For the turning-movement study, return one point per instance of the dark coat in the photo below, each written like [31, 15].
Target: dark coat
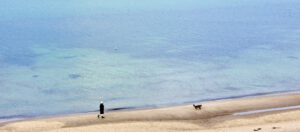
[101, 108]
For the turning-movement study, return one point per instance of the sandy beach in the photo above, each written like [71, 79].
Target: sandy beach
[268, 113]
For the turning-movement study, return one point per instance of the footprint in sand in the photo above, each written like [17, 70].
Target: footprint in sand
[257, 129]
[275, 127]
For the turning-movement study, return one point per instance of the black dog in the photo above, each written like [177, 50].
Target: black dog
[197, 107]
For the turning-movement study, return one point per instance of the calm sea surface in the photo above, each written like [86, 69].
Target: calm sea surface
[60, 56]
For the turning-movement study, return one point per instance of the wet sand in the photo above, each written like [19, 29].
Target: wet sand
[278, 112]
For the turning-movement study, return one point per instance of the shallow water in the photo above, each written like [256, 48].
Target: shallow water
[59, 57]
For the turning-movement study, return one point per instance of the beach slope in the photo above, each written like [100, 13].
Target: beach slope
[280, 113]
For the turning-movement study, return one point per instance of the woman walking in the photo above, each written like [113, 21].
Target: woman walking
[101, 110]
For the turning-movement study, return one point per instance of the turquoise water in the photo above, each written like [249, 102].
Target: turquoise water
[59, 57]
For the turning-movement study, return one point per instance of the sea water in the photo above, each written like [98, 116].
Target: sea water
[61, 56]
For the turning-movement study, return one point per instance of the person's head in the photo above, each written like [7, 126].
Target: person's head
[101, 100]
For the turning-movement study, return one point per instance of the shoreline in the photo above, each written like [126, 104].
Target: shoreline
[13, 118]
[265, 110]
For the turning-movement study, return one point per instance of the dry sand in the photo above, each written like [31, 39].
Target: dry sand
[215, 116]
